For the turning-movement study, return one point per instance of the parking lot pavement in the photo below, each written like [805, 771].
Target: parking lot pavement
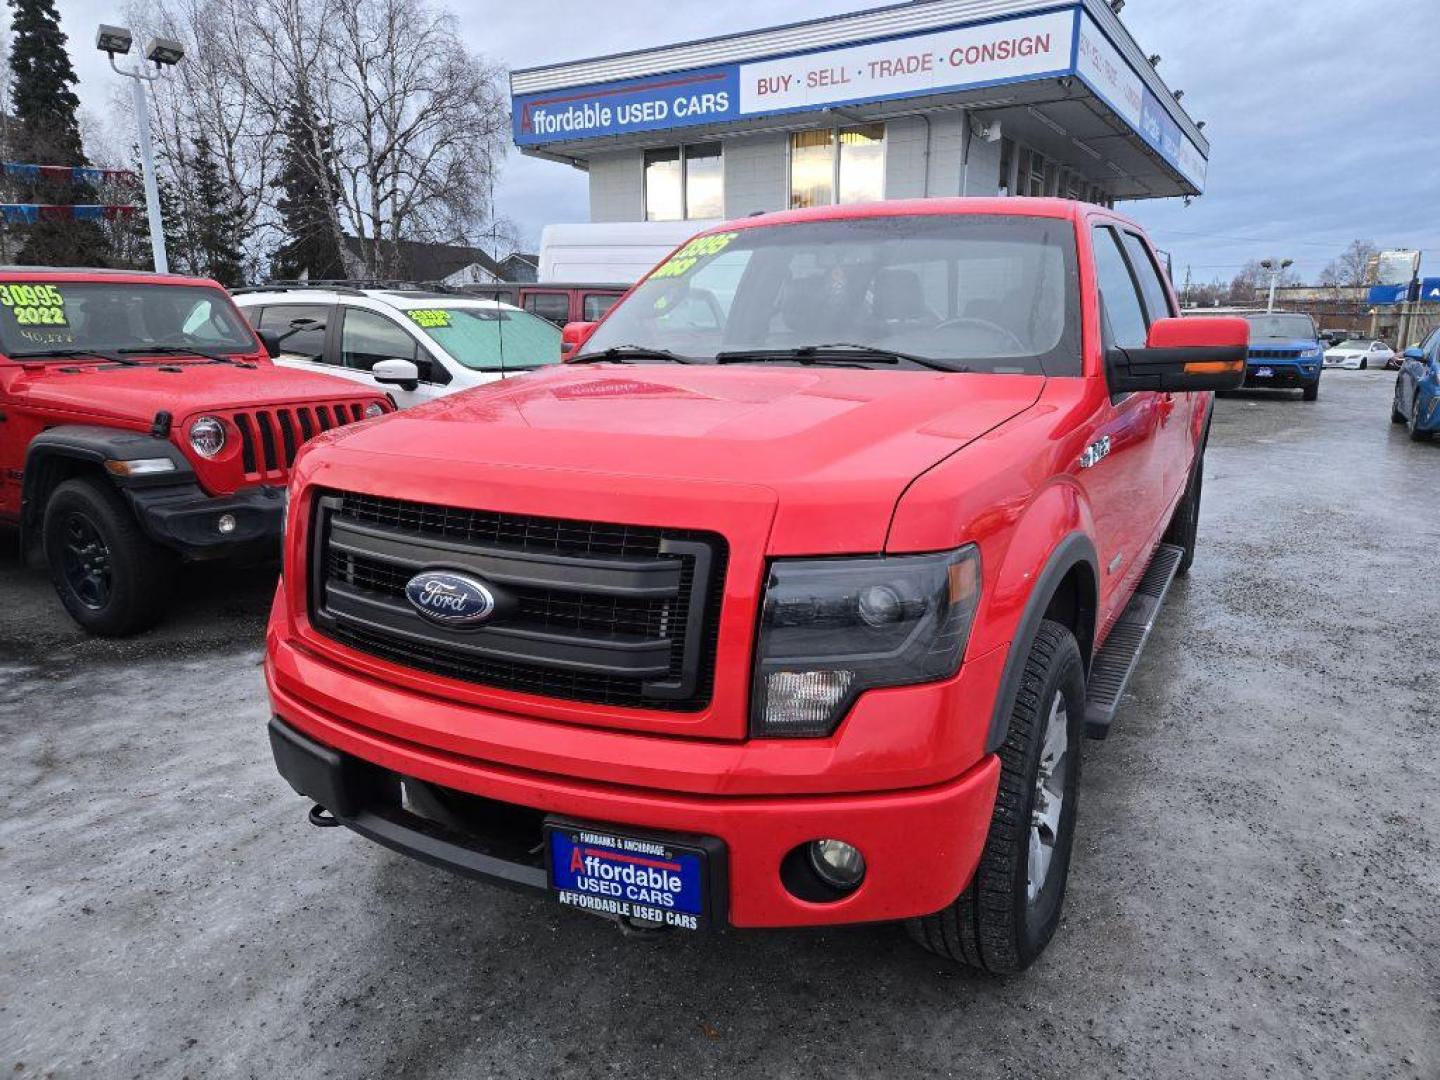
[1255, 892]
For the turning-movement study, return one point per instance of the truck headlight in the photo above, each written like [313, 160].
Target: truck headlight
[833, 628]
[373, 410]
[207, 436]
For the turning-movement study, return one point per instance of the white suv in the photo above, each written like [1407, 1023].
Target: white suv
[417, 344]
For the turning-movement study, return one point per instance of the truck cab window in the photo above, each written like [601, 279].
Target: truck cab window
[1120, 305]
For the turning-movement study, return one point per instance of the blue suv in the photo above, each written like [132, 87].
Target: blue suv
[1417, 390]
[1285, 354]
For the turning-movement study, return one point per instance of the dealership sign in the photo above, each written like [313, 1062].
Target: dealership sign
[1049, 45]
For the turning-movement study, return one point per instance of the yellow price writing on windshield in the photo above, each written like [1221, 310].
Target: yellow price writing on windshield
[681, 263]
[34, 305]
[430, 318]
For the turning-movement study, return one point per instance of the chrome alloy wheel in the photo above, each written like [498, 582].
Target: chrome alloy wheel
[1049, 796]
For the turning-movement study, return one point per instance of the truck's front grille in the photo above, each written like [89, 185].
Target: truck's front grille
[270, 438]
[1274, 354]
[590, 611]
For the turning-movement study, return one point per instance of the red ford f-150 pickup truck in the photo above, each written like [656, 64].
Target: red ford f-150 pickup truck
[788, 601]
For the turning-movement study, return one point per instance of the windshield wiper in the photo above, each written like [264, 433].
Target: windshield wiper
[182, 350]
[624, 353]
[837, 352]
[70, 354]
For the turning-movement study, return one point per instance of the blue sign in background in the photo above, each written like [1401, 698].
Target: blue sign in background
[678, 99]
[1430, 290]
[1389, 294]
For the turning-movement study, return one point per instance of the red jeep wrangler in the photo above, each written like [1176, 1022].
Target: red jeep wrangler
[788, 600]
[141, 422]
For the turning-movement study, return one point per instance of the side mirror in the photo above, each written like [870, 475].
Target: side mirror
[1183, 355]
[1414, 353]
[574, 336]
[396, 372]
[271, 340]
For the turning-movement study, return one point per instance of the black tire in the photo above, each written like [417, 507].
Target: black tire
[112, 580]
[1364, 363]
[1311, 392]
[1413, 423]
[1185, 524]
[1396, 416]
[995, 925]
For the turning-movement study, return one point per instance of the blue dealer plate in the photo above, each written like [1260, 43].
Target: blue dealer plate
[611, 874]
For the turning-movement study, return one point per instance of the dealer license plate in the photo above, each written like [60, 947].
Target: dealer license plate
[611, 874]
[1263, 372]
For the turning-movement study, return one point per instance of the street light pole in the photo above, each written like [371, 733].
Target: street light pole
[162, 53]
[139, 78]
[1276, 268]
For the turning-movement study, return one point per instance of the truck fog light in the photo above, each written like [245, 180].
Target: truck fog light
[226, 523]
[839, 865]
[803, 702]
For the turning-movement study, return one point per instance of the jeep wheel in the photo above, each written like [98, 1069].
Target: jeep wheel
[1396, 416]
[1009, 912]
[1311, 392]
[112, 580]
[1185, 524]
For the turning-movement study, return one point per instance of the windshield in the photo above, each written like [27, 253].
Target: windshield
[490, 339]
[1355, 344]
[41, 315]
[1286, 327]
[995, 293]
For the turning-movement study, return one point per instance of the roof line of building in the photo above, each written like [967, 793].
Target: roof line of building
[915, 16]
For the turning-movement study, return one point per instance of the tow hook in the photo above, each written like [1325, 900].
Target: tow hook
[322, 818]
[645, 929]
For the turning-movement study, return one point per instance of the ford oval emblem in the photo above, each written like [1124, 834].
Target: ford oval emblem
[450, 599]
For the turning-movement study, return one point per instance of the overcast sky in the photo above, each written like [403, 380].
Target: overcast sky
[1322, 114]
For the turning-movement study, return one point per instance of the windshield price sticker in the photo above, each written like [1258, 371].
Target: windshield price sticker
[34, 305]
[628, 876]
[684, 260]
[430, 318]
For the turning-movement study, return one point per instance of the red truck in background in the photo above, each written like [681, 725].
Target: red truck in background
[788, 600]
[141, 424]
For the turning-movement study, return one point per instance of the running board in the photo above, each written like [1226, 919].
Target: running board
[1114, 664]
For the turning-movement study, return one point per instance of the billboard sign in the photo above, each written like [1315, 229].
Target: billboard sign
[1397, 267]
[1053, 44]
[1430, 290]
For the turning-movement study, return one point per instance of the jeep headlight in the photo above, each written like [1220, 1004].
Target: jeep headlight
[207, 436]
[373, 410]
[833, 628]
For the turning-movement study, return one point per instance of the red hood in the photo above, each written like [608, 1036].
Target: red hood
[832, 446]
[184, 388]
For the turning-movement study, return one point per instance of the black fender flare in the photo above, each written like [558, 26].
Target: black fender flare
[92, 445]
[1076, 548]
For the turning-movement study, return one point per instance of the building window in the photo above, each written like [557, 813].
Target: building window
[704, 182]
[850, 161]
[684, 182]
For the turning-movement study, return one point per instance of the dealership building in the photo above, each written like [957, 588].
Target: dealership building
[925, 99]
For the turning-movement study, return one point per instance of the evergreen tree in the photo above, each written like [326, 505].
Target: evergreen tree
[309, 249]
[215, 220]
[45, 105]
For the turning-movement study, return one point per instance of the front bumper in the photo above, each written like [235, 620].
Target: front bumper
[1284, 374]
[185, 518]
[921, 845]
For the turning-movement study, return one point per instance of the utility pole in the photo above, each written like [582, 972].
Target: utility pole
[162, 52]
[1276, 268]
[1185, 297]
